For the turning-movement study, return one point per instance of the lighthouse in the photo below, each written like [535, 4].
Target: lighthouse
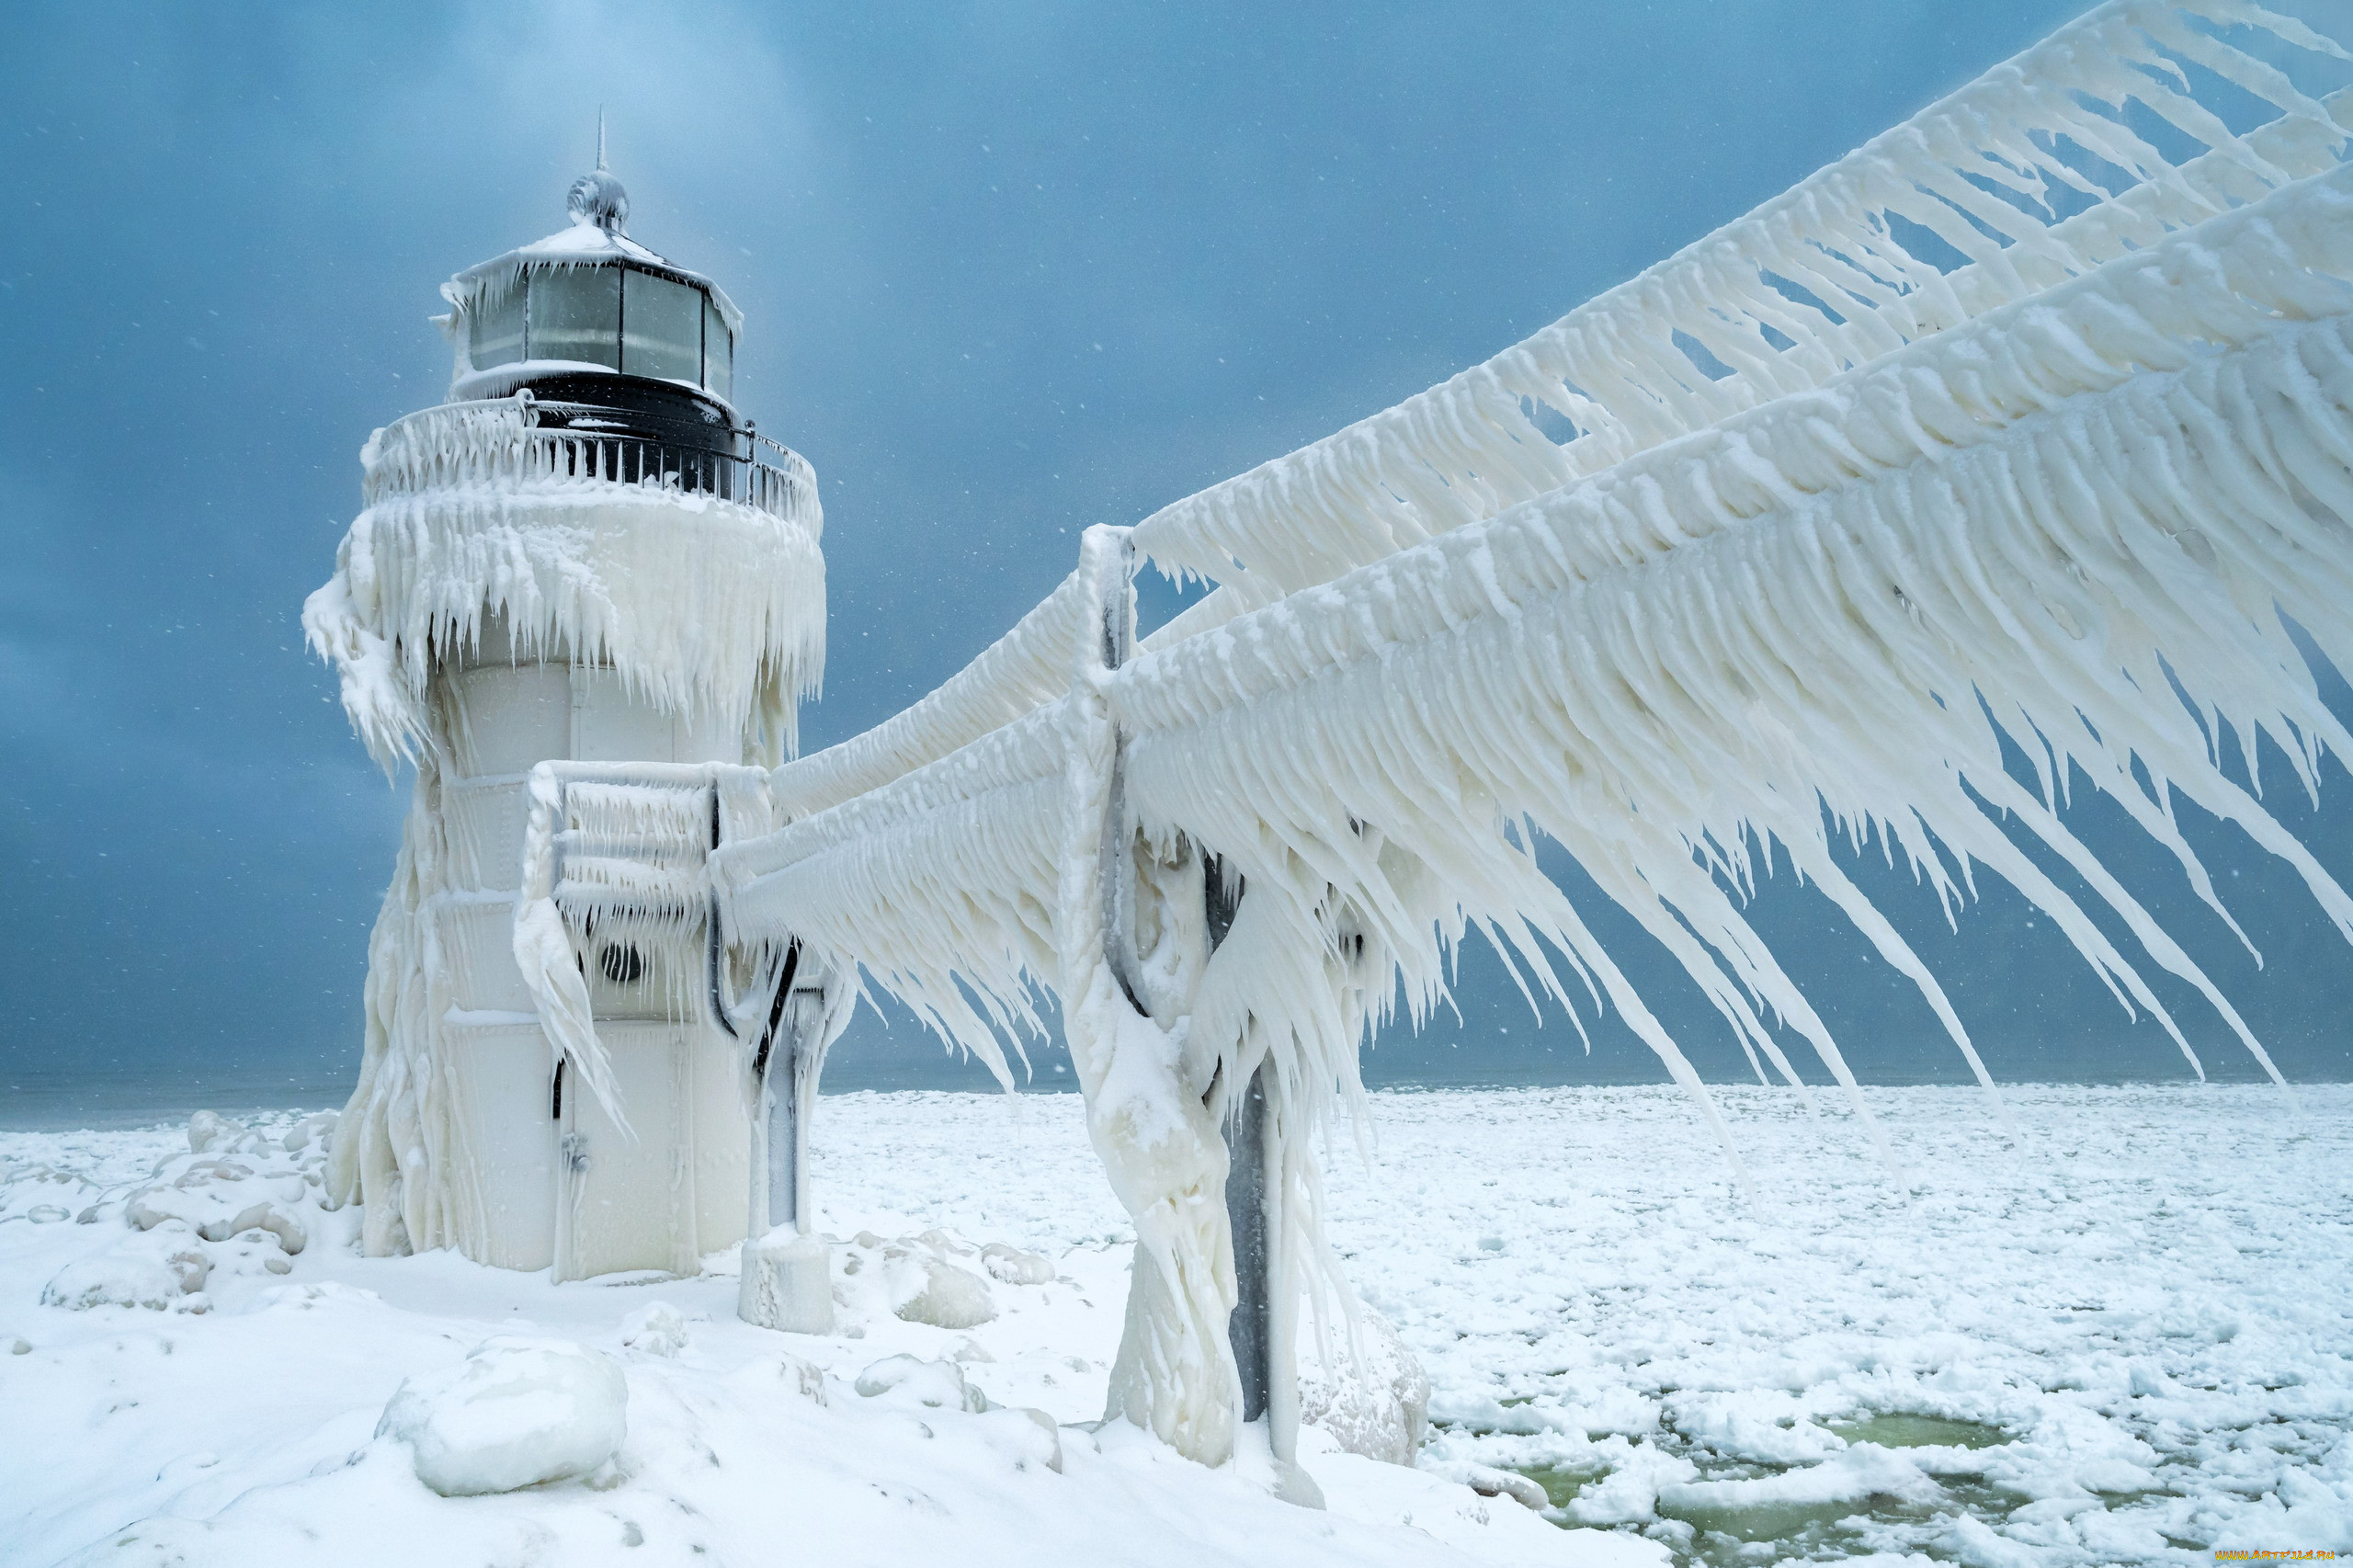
[585, 552]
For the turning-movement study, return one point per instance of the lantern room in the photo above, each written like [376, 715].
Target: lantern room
[590, 319]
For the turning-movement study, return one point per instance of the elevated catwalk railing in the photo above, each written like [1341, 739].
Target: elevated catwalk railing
[2026, 430]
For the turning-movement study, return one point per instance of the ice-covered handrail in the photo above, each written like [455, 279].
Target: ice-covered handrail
[622, 846]
[966, 847]
[1247, 736]
[1848, 265]
[1030, 665]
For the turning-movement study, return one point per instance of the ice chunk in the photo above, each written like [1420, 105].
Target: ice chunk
[517, 1412]
[209, 1129]
[319, 1127]
[218, 1201]
[951, 1297]
[920, 1280]
[1011, 1266]
[1629, 1494]
[1489, 1482]
[1376, 1402]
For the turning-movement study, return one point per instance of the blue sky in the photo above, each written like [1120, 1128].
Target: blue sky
[1008, 271]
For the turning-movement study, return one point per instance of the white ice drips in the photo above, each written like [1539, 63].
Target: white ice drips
[700, 604]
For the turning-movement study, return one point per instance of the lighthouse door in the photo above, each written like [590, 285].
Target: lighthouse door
[625, 1199]
[672, 1185]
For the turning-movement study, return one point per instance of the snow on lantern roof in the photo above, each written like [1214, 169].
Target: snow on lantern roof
[595, 237]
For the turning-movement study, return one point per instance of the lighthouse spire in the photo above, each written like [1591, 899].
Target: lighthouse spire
[598, 197]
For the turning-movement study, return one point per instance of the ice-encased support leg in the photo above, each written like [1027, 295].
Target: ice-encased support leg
[788, 1271]
[791, 1093]
[1251, 1329]
[787, 1148]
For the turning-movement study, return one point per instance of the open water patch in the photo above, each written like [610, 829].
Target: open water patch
[1734, 1508]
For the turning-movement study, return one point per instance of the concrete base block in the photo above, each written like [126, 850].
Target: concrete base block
[788, 1283]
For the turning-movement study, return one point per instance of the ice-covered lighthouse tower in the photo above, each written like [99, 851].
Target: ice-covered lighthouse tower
[585, 552]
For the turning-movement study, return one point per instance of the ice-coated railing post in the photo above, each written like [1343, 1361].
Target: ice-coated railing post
[1117, 852]
[1251, 1330]
[780, 1074]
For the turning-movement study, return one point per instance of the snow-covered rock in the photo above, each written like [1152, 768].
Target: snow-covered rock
[317, 1127]
[951, 1297]
[657, 1330]
[913, 1382]
[1011, 1266]
[219, 1199]
[156, 1272]
[517, 1412]
[1029, 1436]
[803, 1380]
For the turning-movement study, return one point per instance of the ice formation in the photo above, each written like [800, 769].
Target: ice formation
[2123, 1324]
[2013, 427]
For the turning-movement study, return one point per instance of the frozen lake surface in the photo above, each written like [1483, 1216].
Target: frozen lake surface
[2121, 1335]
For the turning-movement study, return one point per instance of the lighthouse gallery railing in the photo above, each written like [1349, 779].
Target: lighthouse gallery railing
[496, 443]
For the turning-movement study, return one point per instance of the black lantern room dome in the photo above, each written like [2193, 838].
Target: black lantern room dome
[602, 333]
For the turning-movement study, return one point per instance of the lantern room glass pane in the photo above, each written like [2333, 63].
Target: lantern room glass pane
[576, 315]
[495, 327]
[718, 353]
[661, 328]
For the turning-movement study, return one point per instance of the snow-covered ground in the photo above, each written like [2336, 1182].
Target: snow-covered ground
[2123, 1334]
